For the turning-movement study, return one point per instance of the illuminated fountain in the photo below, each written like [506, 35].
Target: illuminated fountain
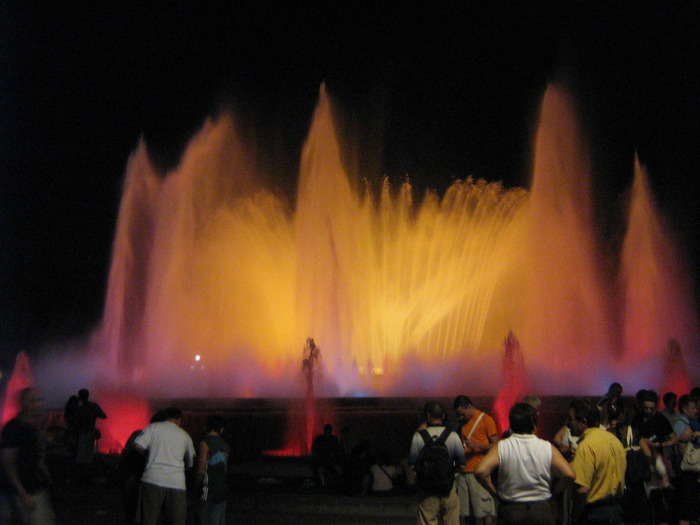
[406, 297]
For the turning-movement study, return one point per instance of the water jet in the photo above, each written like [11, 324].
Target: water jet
[215, 277]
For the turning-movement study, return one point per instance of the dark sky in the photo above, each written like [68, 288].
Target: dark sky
[429, 89]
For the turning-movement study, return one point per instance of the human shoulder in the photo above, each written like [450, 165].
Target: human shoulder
[662, 423]
[434, 430]
[12, 433]
[487, 423]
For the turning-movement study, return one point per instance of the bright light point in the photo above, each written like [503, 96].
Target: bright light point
[197, 357]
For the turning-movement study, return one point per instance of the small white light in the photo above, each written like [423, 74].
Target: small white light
[197, 357]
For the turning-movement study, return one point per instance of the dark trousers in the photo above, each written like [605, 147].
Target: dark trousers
[601, 513]
[172, 503]
[532, 513]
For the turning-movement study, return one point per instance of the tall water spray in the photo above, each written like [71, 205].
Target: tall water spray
[217, 281]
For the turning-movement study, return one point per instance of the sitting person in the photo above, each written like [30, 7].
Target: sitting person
[383, 475]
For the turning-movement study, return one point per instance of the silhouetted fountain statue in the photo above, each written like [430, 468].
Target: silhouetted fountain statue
[311, 370]
[514, 383]
[210, 262]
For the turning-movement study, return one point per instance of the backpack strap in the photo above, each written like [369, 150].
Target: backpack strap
[444, 435]
[427, 438]
[475, 425]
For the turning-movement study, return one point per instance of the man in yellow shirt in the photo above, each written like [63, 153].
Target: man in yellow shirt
[600, 464]
[479, 434]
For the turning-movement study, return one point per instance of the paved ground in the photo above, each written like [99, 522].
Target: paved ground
[280, 495]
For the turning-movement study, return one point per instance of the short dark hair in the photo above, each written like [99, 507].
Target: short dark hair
[84, 394]
[648, 395]
[158, 417]
[585, 411]
[214, 423]
[434, 410]
[669, 397]
[172, 413]
[522, 418]
[461, 401]
[684, 401]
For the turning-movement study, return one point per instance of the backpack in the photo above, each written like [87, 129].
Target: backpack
[434, 468]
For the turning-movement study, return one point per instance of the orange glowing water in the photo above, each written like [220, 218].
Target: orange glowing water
[216, 281]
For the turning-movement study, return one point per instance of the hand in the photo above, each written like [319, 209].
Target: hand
[651, 443]
[470, 443]
[28, 501]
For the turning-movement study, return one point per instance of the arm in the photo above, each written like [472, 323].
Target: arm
[685, 437]
[416, 445]
[667, 437]
[483, 447]
[558, 437]
[202, 461]
[484, 469]
[189, 453]
[670, 441]
[563, 470]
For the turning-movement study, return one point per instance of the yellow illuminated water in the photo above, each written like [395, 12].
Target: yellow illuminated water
[405, 295]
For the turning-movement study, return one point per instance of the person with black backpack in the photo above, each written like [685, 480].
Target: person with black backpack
[436, 453]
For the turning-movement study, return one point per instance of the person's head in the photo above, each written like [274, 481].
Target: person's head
[695, 392]
[522, 418]
[214, 423]
[648, 402]
[582, 416]
[173, 414]
[463, 406]
[328, 429]
[688, 406]
[434, 412]
[158, 417]
[84, 394]
[670, 399]
[534, 401]
[614, 390]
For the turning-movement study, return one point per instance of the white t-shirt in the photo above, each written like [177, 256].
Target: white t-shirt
[382, 477]
[524, 474]
[170, 449]
[453, 443]
[568, 439]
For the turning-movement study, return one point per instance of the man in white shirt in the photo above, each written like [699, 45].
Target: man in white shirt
[437, 507]
[170, 451]
[525, 464]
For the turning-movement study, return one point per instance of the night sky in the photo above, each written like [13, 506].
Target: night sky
[433, 90]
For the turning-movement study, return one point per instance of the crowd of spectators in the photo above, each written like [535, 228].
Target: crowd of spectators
[647, 475]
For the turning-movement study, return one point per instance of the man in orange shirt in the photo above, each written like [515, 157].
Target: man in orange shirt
[479, 434]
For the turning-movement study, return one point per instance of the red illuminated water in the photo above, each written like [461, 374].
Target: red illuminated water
[20, 379]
